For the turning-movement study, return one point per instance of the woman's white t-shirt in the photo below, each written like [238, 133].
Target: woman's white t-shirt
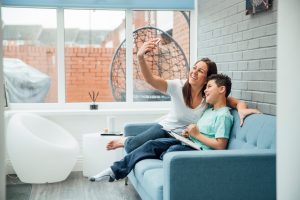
[180, 114]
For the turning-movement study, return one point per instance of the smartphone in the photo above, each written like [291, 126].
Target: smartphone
[158, 40]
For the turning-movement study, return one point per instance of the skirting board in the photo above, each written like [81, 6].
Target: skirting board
[78, 166]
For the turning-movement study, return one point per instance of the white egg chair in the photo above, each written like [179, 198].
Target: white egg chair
[40, 150]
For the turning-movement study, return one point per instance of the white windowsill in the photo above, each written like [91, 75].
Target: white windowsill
[143, 108]
[91, 112]
[104, 105]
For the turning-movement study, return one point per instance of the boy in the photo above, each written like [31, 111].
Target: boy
[211, 132]
[216, 122]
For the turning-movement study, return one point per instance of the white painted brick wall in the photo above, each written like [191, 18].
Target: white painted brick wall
[243, 46]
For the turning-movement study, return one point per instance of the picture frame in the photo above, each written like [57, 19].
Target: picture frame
[256, 6]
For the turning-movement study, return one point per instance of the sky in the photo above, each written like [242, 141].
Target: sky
[100, 20]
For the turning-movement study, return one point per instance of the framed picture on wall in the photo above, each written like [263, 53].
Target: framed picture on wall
[256, 6]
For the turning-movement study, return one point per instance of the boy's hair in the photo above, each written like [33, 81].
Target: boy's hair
[221, 80]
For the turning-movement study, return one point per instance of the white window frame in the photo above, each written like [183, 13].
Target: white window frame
[129, 104]
[60, 57]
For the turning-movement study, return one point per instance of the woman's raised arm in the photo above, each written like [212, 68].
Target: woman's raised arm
[155, 81]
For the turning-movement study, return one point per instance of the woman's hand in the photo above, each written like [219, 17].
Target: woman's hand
[147, 47]
[154, 80]
[243, 113]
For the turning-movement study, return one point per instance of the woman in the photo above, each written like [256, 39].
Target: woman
[188, 101]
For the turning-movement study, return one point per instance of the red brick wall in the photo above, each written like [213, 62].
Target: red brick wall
[87, 69]
[139, 19]
[181, 33]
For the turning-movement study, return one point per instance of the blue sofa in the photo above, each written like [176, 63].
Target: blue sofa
[245, 171]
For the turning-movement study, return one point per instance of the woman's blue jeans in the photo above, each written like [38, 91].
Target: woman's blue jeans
[152, 133]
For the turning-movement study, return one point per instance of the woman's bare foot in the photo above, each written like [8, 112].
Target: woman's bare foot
[117, 143]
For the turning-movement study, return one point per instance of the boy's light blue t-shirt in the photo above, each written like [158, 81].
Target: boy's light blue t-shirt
[215, 123]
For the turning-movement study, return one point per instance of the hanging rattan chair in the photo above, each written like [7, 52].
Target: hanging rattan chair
[167, 61]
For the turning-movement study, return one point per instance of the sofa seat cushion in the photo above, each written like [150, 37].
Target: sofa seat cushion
[149, 173]
[144, 165]
[153, 181]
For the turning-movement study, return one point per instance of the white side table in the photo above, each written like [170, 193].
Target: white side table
[95, 156]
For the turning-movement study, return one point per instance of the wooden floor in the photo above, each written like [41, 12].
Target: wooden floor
[77, 187]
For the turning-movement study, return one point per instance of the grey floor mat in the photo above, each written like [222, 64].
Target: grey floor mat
[17, 190]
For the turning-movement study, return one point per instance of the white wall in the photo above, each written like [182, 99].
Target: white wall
[288, 98]
[2, 138]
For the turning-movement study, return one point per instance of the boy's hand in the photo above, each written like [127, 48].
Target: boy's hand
[192, 130]
[185, 133]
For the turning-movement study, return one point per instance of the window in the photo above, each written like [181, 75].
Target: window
[93, 53]
[170, 60]
[91, 39]
[29, 51]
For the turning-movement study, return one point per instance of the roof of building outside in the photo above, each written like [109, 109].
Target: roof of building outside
[36, 34]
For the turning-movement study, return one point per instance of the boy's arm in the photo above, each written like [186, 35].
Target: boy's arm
[215, 143]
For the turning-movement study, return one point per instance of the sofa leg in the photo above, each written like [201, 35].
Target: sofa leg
[126, 180]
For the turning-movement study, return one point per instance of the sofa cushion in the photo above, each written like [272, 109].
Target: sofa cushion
[149, 172]
[258, 132]
[142, 166]
[153, 182]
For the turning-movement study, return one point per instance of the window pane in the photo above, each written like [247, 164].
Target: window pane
[93, 50]
[29, 44]
[170, 60]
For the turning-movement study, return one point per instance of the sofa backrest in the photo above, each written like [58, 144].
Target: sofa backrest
[258, 132]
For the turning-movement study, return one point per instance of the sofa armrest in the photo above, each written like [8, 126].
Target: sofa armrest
[136, 128]
[220, 174]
